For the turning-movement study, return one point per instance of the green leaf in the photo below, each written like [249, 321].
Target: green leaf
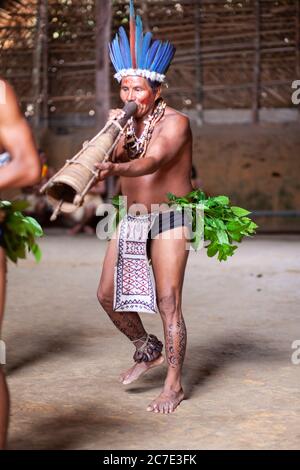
[116, 200]
[36, 252]
[19, 205]
[223, 200]
[196, 195]
[34, 226]
[239, 211]
[237, 237]
[20, 252]
[212, 249]
[234, 226]
[5, 204]
[222, 236]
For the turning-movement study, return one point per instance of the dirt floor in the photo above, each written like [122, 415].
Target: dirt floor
[64, 355]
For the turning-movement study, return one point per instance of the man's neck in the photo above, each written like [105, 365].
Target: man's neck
[139, 122]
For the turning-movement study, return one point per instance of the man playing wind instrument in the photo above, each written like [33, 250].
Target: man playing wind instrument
[153, 158]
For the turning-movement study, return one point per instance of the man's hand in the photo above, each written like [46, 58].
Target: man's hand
[106, 169]
[115, 114]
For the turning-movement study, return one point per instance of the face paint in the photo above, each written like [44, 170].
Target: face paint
[138, 89]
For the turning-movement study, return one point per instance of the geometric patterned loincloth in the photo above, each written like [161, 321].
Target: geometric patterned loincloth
[134, 285]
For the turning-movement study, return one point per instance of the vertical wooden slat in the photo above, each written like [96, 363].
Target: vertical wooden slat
[40, 66]
[45, 66]
[257, 65]
[199, 74]
[145, 16]
[36, 70]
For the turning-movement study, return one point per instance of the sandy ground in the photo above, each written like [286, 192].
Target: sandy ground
[64, 355]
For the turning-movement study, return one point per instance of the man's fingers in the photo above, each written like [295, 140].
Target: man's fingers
[103, 174]
[103, 166]
[116, 113]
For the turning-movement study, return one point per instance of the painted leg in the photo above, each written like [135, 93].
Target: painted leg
[169, 258]
[129, 323]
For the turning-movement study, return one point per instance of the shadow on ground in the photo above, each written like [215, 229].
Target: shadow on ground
[203, 363]
[65, 429]
[207, 362]
[24, 351]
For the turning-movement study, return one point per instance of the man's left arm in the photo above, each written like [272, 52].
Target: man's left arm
[16, 138]
[161, 152]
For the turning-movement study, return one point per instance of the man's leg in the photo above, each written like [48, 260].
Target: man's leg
[169, 258]
[129, 323]
[4, 396]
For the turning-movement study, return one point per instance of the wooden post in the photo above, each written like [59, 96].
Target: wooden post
[103, 32]
[298, 46]
[257, 64]
[199, 74]
[39, 81]
[298, 40]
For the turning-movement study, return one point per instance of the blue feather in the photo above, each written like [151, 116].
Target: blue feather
[170, 58]
[159, 58]
[114, 55]
[138, 40]
[131, 9]
[155, 56]
[146, 46]
[151, 54]
[112, 58]
[165, 58]
[118, 54]
[125, 48]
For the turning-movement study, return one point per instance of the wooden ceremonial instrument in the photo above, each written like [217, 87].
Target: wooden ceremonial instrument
[67, 188]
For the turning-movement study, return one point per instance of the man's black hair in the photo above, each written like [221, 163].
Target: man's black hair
[154, 85]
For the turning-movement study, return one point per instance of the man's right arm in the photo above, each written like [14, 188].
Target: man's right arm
[164, 150]
[16, 138]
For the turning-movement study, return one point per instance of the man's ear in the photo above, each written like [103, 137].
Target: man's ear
[158, 93]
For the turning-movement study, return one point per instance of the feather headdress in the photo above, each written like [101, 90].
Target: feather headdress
[141, 55]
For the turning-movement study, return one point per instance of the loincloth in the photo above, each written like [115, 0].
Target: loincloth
[134, 284]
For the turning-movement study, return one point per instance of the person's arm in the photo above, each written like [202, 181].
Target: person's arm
[16, 138]
[165, 147]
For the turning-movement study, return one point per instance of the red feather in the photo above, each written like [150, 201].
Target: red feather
[132, 40]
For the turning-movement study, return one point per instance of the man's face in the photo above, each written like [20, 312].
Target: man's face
[138, 89]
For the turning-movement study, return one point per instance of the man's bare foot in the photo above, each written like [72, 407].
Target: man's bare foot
[139, 369]
[166, 402]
